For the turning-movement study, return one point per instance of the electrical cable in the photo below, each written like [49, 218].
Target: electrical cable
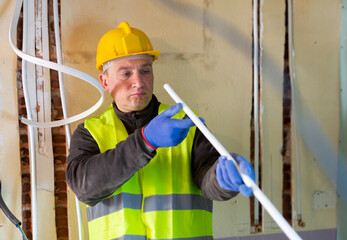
[7, 211]
[21, 230]
[10, 215]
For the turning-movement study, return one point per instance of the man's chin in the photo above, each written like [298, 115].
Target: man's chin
[138, 106]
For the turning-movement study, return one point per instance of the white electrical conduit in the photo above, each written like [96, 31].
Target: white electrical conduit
[31, 130]
[60, 74]
[57, 67]
[295, 131]
[29, 121]
[64, 106]
[274, 213]
[256, 105]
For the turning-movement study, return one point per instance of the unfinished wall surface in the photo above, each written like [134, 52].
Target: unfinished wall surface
[316, 55]
[316, 46]
[206, 56]
[9, 137]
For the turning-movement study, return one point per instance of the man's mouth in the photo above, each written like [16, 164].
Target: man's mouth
[138, 94]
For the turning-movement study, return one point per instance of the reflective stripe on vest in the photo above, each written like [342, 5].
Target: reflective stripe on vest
[160, 201]
[152, 203]
[176, 202]
[136, 237]
[113, 204]
[131, 237]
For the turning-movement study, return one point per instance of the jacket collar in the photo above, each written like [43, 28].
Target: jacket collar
[138, 119]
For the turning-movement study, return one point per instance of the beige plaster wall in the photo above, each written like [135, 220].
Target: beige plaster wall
[9, 136]
[316, 43]
[206, 56]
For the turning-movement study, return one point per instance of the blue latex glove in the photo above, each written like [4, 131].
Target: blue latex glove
[164, 131]
[229, 178]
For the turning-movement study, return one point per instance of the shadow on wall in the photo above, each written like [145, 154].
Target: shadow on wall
[321, 147]
[309, 127]
[220, 27]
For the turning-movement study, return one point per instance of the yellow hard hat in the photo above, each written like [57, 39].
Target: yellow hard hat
[123, 41]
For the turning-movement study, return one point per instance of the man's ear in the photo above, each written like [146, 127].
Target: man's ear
[103, 80]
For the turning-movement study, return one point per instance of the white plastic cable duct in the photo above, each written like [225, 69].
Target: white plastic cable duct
[31, 130]
[57, 67]
[266, 203]
[294, 116]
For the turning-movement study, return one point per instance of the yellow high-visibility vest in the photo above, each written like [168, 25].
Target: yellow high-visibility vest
[160, 201]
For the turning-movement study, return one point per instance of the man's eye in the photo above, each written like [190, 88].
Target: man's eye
[146, 71]
[125, 74]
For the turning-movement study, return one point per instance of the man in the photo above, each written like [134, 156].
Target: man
[142, 167]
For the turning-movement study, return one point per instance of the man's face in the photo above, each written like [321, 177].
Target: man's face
[130, 84]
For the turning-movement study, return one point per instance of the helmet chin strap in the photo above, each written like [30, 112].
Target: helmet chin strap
[114, 61]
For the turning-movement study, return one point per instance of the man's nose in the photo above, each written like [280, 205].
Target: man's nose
[137, 80]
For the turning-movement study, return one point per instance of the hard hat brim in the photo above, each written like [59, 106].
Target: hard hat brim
[154, 53]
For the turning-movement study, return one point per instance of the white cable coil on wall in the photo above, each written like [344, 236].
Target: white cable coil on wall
[57, 67]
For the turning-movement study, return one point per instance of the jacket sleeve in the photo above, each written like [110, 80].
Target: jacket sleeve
[204, 163]
[92, 175]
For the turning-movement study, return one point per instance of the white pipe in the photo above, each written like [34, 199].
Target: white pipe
[274, 213]
[295, 129]
[63, 103]
[58, 67]
[60, 74]
[31, 130]
[256, 104]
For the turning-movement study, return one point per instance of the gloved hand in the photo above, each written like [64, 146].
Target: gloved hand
[164, 131]
[229, 178]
